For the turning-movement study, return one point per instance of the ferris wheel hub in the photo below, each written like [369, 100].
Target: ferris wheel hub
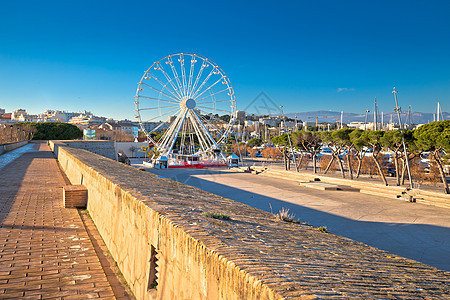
[188, 103]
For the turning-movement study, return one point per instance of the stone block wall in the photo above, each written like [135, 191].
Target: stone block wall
[11, 146]
[155, 229]
[104, 148]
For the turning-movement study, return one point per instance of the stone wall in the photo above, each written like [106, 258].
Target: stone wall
[103, 148]
[11, 146]
[155, 225]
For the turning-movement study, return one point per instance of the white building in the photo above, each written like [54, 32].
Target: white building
[17, 113]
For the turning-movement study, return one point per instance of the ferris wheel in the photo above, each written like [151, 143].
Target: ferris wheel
[192, 99]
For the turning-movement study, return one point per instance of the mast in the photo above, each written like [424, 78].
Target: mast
[437, 112]
[398, 109]
[409, 116]
[342, 116]
[375, 113]
[382, 119]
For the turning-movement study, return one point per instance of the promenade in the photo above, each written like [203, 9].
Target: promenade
[45, 251]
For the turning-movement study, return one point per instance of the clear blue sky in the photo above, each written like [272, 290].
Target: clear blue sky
[306, 55]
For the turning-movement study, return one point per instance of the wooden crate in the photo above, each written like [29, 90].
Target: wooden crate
[75, 196]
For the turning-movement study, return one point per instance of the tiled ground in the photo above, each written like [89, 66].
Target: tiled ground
[45, 251]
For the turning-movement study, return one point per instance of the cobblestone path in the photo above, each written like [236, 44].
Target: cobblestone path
[45, 251]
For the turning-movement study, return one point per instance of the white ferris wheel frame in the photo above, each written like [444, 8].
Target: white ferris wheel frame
[184, 95]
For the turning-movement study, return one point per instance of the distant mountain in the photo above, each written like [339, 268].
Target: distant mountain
[335, 116]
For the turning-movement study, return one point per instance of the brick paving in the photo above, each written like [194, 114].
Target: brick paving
[45, 251]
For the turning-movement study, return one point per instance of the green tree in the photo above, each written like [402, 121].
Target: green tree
[309, 141]
[392, 140]
[55, 131]
[282, 142]
[374, 139]
[343, 141]
[254, 142]
[360, 143]
[435, 137]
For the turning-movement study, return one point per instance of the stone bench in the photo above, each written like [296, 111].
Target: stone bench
[75, 196]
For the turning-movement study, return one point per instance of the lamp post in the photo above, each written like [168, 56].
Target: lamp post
[289, 139]
[398, 109]
[10, 127]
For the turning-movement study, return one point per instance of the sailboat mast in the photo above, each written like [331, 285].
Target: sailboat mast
[375, 113]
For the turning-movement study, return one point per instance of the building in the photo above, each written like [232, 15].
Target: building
[272, 122]
[27, 118]
[86, 119]
[57, 116]
[109, 126]
[2, 111]
[129, 128]
[17, 113]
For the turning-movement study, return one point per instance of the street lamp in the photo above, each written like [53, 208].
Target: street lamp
[398, 109]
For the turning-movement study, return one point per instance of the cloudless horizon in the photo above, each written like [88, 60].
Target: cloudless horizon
[305, 55]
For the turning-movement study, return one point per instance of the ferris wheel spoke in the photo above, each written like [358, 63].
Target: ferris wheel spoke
[183, 73]
[213, 109]
[164, 85]
[197, 79]
[212, 102]
[162, 107]
[170, 80]
[156, 128]
[205, 131]
[198, 132]
[191, 74]
[157, 99]
[175, 74]
[168, 135]
[175, 135]
[173, 111]
[210, 95]
[203, 83]
[209, 88]
[161, 92]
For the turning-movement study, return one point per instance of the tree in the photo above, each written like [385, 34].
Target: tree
[392, 140]
[335, 141]
[374, 140]
[434, 137]
[360, 142]
[282, 142]
[254, 142]
[342, 139]
[55, 131]
[310, 142]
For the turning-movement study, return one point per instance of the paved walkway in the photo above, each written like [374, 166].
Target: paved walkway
[45, 251]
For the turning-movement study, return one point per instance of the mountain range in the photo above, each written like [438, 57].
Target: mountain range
[335, 116]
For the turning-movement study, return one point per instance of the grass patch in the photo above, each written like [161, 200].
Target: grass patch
[285, 215]
[322, 229]
[219, 216]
